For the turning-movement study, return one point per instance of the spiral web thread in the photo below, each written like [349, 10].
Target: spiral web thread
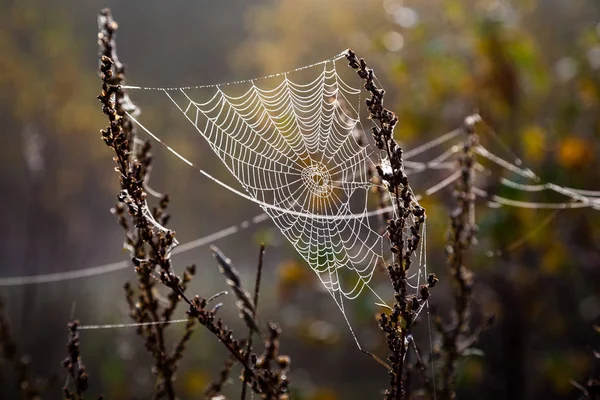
[294, 150]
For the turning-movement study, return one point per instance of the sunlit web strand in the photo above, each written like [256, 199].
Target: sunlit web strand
[548, 186]
[279, 74]
[418, 168]
[120, 265]
[130, 325]
[530, 204]
[576, 195]
[181, 248]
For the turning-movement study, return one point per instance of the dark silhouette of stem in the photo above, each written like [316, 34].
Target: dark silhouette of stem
[251, 331]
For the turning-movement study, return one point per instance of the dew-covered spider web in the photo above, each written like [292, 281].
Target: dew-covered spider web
[298, 150]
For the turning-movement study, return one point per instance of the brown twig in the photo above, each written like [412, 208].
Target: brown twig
[250, 328]
[77, 380]
[410, 215]
[147, 244]
[151, 243]
[460, 236]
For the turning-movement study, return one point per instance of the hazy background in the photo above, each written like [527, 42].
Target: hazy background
[532, 68]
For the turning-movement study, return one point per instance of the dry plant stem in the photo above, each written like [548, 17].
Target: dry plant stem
[460, 236]
[251, 330]
[397, 326]
[380, 191]
[77, 379]
[148, 247]
[150, 244]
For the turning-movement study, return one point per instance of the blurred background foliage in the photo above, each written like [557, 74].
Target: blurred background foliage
[530, 67]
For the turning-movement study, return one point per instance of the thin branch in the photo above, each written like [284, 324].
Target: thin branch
[460, 236]
[251, 331]
[77, 379]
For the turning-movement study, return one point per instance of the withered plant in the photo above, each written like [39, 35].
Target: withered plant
[457, 335]
[77, 381]
[150, 244]
[398, 325]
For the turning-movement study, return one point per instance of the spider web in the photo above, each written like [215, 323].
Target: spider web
[299, 151]
[292, 148]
